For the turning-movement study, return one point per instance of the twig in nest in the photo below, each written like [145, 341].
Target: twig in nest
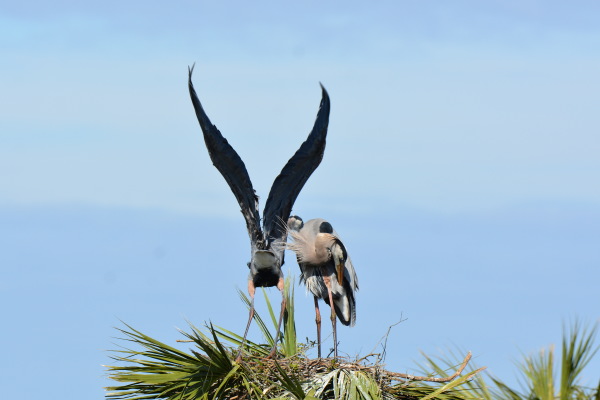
[367, 356]
[384, 338]
[325, 364]
[383, 353]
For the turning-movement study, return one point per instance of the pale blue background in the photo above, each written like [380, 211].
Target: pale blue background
[462, 171]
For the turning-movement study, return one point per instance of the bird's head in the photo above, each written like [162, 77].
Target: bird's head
[295, 223]
[337, 250]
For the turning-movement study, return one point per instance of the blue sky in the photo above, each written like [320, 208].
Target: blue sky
[461, 169]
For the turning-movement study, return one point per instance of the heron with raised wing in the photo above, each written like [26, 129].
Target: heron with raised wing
[326, 270]
[267, 244]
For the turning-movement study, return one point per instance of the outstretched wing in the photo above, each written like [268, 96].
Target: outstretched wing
[294, 175]
[230, 165]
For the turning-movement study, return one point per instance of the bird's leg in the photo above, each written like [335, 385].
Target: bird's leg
[318, 322]
[333, 324]
[251, 291]
[333, 317]
[280, 286]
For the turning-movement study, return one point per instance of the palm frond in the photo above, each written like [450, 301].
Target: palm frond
[474, 388]
[577, 351]
[289, 345]
[344, 384]
[537, 371]
[155, 370]
[161, 371]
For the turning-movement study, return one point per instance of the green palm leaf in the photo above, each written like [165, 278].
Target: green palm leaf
[577, 351]
[152, 369]
[537, 371]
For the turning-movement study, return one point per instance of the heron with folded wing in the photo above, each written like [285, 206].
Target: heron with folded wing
[326, 271]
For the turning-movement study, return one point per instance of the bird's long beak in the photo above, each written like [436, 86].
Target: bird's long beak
[340, 266]
[339, 261]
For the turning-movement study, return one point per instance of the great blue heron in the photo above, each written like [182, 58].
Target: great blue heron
[326, 270]
[267, 244]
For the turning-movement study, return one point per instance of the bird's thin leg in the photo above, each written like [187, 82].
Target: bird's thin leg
[333, 317]
[318, 322]
[280, 286]
[251, 291]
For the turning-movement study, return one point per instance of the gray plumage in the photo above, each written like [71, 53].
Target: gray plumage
[267, 244]
[325, 267]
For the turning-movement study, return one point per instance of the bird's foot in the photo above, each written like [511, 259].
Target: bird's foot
[273, 354]
[238, 358]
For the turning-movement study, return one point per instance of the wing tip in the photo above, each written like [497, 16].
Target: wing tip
[190, 72]
[324, 94]
[325, 105]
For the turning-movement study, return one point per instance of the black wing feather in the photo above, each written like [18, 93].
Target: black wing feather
[230, 165]
[293, 176]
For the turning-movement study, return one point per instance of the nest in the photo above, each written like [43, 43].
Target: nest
[390, 384]
[156, 370]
